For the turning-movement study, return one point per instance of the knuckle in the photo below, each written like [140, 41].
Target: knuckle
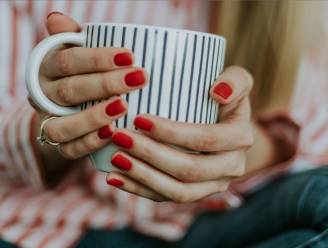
[239, 167]
[146, 152]
[94, 118]
[96, 59]
[181, 196]
[223, 186]
[91, 144]
[65, 92]
[245, 75]
[68, 152]
[206, 142]
[189, 172]
[63, 62]
[53, 133]
[145, 177]
[105, 84]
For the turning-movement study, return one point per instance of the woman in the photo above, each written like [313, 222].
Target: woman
[54, 198]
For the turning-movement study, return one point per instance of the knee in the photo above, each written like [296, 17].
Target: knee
[312, 205]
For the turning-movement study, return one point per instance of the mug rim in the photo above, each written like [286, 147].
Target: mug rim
[156, 27]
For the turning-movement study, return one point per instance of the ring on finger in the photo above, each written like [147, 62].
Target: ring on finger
[42, 138]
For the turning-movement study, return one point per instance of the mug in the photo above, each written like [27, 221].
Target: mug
[181, 64]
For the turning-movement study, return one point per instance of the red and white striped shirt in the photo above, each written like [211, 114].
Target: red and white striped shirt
[31, 216]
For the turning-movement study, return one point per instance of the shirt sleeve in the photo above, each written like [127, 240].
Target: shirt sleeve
[284, 132]
[20, 164]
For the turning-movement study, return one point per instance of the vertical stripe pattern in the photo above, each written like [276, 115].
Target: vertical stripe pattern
[174, 90]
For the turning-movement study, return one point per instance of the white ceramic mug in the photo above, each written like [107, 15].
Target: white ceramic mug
[182, 65]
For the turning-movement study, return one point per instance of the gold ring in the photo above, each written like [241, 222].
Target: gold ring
[42, 138]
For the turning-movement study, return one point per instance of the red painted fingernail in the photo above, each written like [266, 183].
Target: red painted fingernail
[54, 12]
[122, 162]
[123, 140]
[123, 59]
[135, 78]
[115, 182]
[143, 123]
[105, 132]
[114, 108]
[223, 89]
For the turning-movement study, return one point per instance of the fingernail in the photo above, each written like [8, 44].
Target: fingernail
[114, 108]
[105, 132]
[223, 89]
[122, 162]
[115, 182]
[135, 78]
[123, 59]
[143, 123]
[54, 12]
[123, 140]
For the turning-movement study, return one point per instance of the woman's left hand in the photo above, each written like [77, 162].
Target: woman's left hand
[150, 167]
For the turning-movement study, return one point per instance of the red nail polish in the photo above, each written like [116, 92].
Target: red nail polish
[105, 132]
[143, 123]
[123, 59]
[54, 12]
[114, 108]
[122, 162]
[223, 89]
[135, 78]
[123, 140]
[115, 182]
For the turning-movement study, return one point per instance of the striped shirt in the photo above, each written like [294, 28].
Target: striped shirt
[31, 216]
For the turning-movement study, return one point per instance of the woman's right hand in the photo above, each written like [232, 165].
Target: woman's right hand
[73, 75]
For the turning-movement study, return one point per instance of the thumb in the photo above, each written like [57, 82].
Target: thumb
[57, 22]
[232, 85]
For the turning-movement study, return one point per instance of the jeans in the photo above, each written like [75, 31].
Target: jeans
[290, 212]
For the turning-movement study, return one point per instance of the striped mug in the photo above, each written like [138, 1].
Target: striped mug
[182, 65]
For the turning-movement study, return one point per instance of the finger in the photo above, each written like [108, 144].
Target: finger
[127, 184]
[80, 60]
[233, 84]
[58, 22]
[64, 129]
[165, 185]
[73, 90]
[232, 90]
[183, 166]
[197, 137]
[33, 105]
[87, 144]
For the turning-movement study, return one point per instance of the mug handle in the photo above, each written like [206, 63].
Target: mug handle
[33, 68]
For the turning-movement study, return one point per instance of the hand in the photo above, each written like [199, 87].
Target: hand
[73, 75]
[149, 166]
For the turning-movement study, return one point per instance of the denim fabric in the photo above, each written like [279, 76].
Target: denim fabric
[291, 212]
[4, 244]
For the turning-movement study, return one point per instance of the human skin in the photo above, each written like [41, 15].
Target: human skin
[148, 164]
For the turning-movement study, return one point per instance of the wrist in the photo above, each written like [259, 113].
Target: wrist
[263, 152]
[276, 139]
[52, 164]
